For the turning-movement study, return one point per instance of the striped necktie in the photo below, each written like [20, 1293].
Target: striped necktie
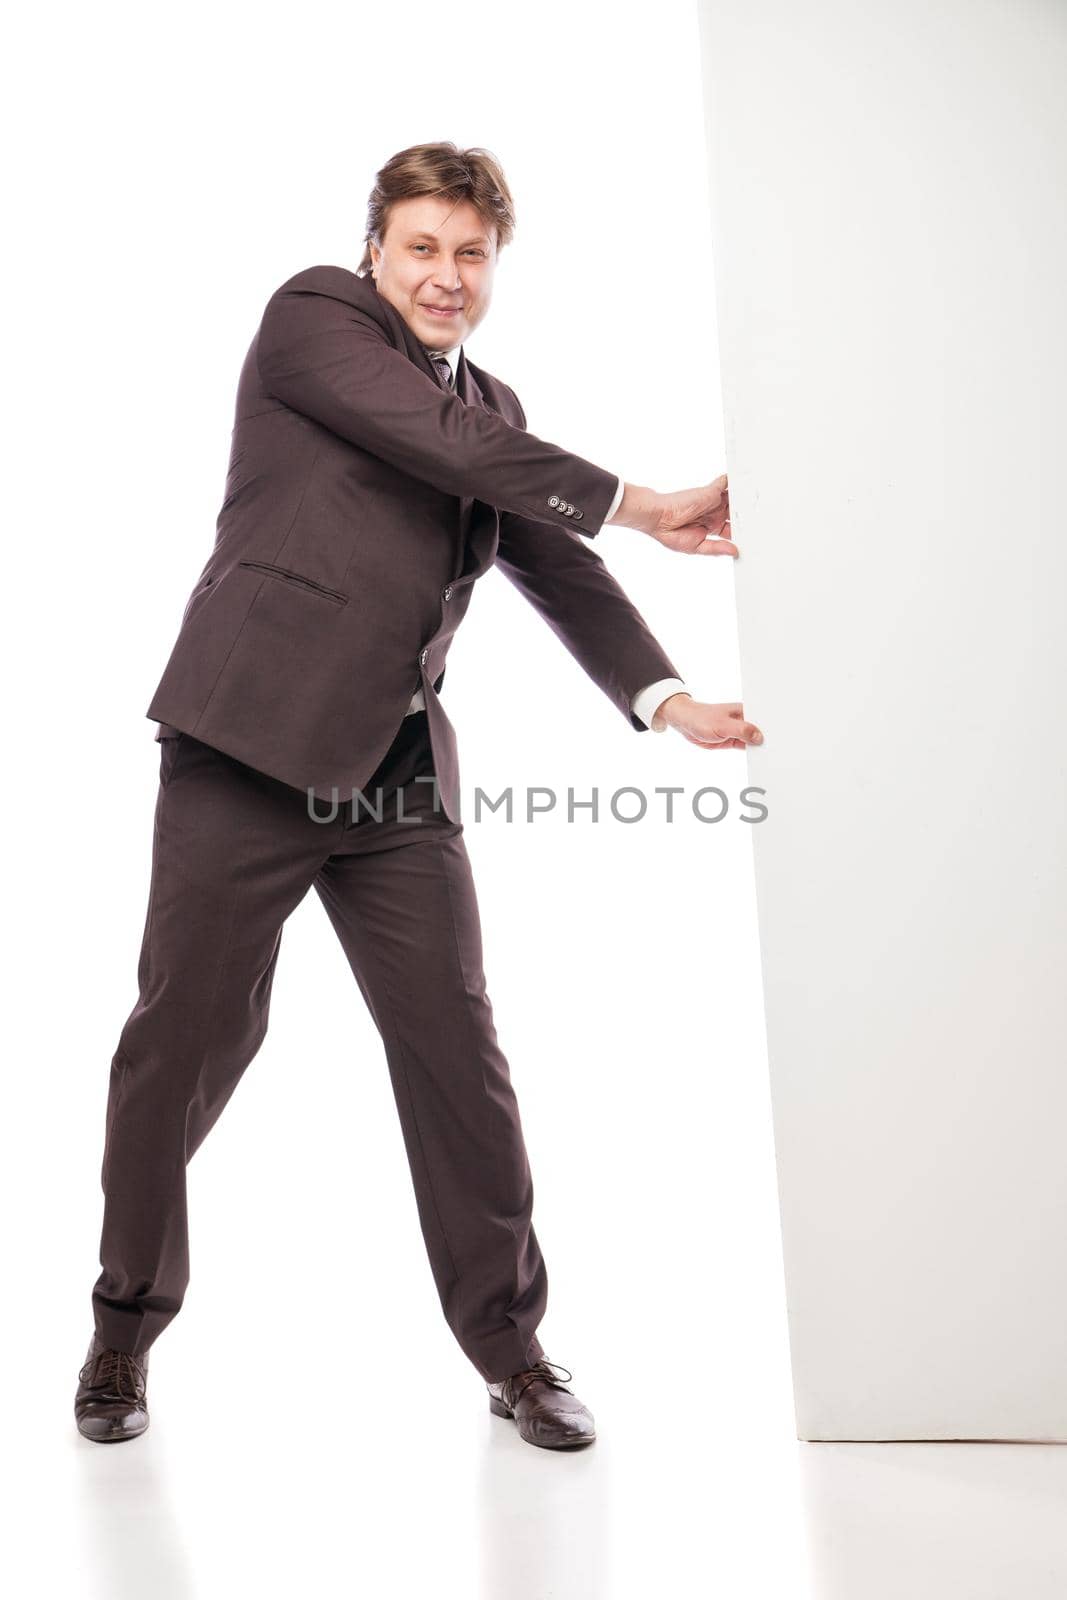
[441, 367]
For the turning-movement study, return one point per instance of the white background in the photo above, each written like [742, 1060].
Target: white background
[314, 1422]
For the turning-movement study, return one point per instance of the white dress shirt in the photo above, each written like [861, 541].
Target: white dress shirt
[646, 701]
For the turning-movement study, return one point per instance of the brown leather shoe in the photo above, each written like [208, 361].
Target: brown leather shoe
[545, 1411]
[111, 1400]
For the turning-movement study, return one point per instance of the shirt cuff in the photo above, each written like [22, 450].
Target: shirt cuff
[646, 702]
[616, 503]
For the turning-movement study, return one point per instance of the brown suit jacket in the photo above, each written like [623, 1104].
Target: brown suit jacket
[363, 501]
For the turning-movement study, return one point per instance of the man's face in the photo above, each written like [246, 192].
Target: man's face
[435, 266]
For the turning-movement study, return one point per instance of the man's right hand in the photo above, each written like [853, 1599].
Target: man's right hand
[693, 521]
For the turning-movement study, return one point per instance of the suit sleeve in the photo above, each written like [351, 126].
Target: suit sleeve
[331, 361]
[566, 581]
[569, 585]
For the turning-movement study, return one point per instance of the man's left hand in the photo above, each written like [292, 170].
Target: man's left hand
[719, 727]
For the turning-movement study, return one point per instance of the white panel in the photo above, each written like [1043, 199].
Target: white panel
[890, 251]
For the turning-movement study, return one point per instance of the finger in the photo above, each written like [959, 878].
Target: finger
[715, 495]
[715, 744]
[744, 734]
[710, 547]
[734, 712]
[688, 538]
[715, 520]
[695, 536]
[692, 539]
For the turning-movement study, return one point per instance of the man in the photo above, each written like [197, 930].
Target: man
[375, 474]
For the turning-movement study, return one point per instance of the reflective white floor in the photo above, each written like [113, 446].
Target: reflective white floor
[315, 1428]
[269, 1473]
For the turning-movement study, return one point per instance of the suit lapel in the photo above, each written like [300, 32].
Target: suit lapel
[478, 525]
[469, 392]
[476, 535]
[466, 383]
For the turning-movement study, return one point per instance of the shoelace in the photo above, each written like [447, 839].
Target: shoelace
[540, 1370]
[109, 1370]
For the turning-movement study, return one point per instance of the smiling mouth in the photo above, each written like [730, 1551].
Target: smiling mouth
[442, 311]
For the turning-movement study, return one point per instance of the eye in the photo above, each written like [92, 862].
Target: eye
[471, 251]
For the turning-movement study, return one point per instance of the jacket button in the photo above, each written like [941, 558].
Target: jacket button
[553, 500]
[424, 657]
[568, 511]
[579, 513]
[447, 595]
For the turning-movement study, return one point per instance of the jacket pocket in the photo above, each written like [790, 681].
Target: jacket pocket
[297, 579]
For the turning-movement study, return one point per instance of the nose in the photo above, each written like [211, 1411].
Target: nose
[447, 277]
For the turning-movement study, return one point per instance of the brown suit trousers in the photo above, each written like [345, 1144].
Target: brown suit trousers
[234, 852]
